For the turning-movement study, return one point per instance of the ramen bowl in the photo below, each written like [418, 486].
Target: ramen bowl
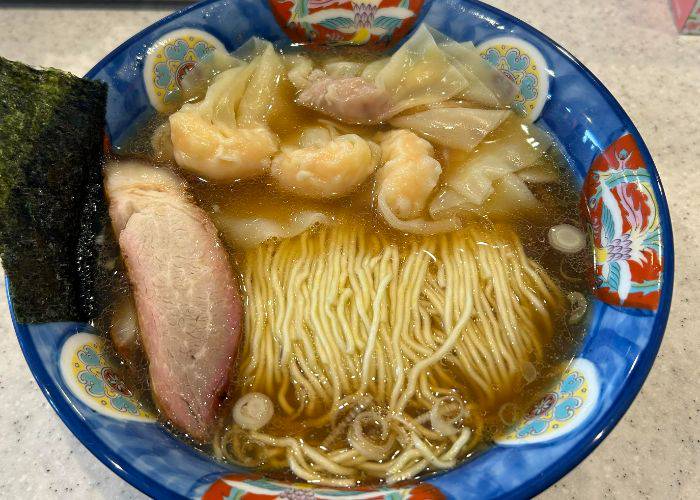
[622, 201]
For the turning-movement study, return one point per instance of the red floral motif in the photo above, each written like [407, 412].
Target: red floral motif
[254, 487]
[113, 381]
[619, 202]
[426, 491]
[543, 406]
[375, 23]
[217, 491]
[221, 489]
[182, 70]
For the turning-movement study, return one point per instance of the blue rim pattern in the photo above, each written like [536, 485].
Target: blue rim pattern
[587, 440]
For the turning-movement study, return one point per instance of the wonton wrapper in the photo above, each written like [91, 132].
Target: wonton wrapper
[263, 87]
[422, 71]
[299, 67]
[469, 183]
[241, 96]
[511, 196]
[539, 174]
[486, 85]
[429, 68]
[343, 69]
[457, 128]
[249, 232]
[419, 73]
[301, 71]
[372, 69]
[195, 82]
[222, 99]
[225, 136]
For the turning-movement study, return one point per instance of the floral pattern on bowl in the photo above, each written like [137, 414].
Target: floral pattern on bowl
[625, 224]
[91, 376]
[579, 112]
[168, 61]
[376, 23]
[560, 410]
[525, 66]
[250, 487]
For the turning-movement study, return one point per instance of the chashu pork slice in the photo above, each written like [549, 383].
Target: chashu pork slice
[188, 307]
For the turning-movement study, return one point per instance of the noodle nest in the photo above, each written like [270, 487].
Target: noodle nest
[376, 354]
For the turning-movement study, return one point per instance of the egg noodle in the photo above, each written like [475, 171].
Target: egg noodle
[375, 352]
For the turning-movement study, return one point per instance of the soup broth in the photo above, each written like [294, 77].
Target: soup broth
[310, 432]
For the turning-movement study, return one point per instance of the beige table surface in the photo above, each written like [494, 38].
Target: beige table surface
[632, 46]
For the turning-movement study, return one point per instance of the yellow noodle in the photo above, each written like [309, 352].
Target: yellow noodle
[341, 316]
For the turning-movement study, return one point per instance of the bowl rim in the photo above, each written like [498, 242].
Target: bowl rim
[594, 436]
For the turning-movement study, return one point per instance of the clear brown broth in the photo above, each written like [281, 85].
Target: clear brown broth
[262, 198]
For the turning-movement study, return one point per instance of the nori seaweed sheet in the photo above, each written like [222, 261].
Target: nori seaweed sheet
[51, 156]
[98, 257]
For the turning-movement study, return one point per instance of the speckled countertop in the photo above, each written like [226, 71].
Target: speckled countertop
[632, 46]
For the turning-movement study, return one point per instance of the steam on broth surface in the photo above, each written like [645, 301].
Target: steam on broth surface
[387, 220]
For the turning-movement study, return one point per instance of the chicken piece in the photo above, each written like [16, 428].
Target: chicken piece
[188, 306]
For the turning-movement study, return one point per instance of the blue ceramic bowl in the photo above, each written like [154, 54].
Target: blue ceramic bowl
[621, 197]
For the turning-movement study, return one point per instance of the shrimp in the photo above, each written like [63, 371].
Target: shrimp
[225, 137]
[410, 173]
[325, 165]
[406, 181]
[220, 154]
